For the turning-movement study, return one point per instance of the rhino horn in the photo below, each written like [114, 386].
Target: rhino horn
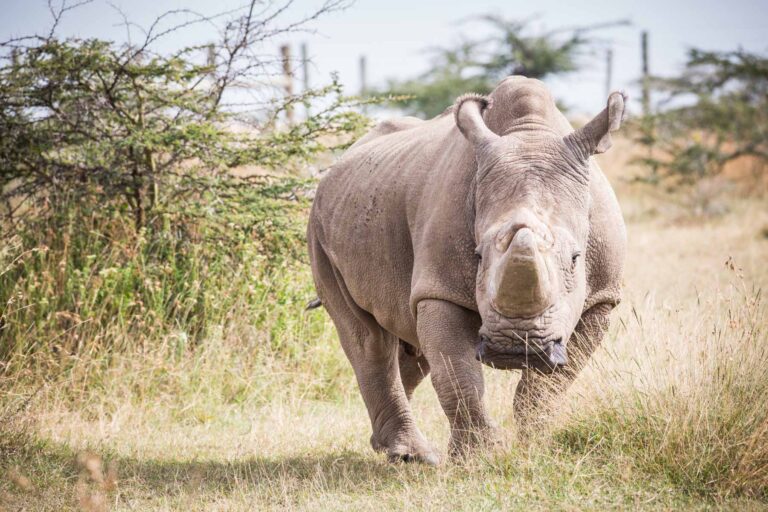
[521, 285]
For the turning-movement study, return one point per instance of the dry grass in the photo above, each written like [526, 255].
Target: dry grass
[670, 413]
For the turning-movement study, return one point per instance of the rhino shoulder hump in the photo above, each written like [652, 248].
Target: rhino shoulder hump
[389, 126]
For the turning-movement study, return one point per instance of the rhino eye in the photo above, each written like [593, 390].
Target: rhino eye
[575, 257]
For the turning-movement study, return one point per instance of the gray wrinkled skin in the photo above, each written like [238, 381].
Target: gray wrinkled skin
[484, 235]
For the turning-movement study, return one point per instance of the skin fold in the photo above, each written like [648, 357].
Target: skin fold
[484, 235]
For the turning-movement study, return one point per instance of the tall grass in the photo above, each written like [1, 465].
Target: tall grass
[684, 398]
[158, 311]
[168, 354]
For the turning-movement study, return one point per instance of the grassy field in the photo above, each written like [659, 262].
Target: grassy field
[670, 413]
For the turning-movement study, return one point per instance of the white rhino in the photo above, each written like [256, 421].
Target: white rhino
[486, 234]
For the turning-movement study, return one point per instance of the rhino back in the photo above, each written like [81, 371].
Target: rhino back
[388, 126]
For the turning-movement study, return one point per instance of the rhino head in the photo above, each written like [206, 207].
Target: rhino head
[531, 227]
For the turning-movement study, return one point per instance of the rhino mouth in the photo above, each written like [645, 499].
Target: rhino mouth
[543, 355]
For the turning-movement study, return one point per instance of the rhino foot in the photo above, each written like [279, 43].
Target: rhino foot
[429, 458]
[417, 451]
[466, 441]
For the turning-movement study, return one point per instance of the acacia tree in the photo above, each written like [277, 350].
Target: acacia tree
[512, 48]
[146, 190]
[86, 124]
[714, 112]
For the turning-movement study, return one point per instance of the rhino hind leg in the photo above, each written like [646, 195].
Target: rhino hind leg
[373, 353]
[413, 367]
[536, 392]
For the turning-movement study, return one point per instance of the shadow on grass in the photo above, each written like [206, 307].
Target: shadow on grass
[53, 468]
[340, 470]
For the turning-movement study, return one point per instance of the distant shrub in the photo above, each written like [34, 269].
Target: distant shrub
[476, 64]
[713, 113]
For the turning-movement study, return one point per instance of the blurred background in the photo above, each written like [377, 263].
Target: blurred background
[403, 40]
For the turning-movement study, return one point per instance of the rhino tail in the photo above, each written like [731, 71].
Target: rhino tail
[313, 304]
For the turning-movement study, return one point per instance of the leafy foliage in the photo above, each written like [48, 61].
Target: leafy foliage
[89, 125]
[715, 112]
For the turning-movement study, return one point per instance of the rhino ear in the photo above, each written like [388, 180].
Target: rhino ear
[468, 112]
[595, 136]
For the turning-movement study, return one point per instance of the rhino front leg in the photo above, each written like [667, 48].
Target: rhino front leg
[536, 390]
[448, 334]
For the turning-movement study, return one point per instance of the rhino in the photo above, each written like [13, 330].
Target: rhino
[484, 236]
